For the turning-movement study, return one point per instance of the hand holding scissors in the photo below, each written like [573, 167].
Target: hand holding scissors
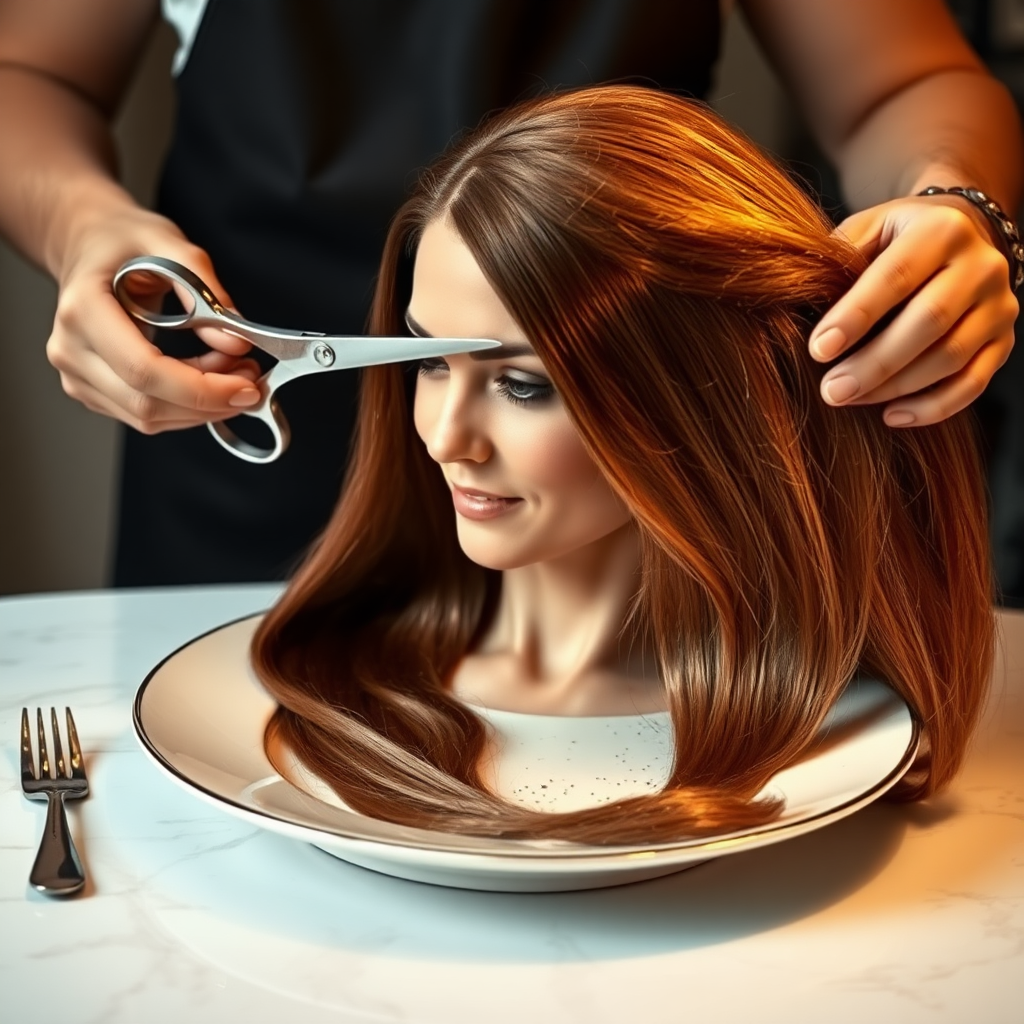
[297, 352]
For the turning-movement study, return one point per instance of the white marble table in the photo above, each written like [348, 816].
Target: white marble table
[897, 914]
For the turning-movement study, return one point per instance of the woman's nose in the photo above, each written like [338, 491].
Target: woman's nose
[455, 429]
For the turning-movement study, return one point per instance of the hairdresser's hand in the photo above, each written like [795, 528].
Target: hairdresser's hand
[935, 255]
[104, 360]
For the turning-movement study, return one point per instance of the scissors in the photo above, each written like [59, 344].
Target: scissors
[297, 352]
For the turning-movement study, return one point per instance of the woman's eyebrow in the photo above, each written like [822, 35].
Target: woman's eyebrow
[510, 351]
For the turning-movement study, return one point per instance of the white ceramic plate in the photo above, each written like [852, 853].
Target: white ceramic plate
[201, 713]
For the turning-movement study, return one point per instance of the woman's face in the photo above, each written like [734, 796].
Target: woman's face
[524, 488]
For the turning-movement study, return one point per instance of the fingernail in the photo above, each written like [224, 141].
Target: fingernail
[899, 418]
[247, 396]
[842, 389]
[829, 343]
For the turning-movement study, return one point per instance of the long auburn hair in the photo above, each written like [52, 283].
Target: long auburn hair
[667, 273]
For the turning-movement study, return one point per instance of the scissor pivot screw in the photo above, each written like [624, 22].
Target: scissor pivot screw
[324, 355]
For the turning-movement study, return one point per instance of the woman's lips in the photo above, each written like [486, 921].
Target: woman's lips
[473, 504]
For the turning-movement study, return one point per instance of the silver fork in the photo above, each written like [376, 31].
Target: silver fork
[57, 870]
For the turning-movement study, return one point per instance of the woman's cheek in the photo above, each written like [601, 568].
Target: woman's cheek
[552, 455]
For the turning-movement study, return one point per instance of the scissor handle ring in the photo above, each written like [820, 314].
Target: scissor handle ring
[205, 303]
[273, 417]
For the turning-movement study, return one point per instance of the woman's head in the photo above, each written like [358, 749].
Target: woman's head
[634, 241]
[665, 274]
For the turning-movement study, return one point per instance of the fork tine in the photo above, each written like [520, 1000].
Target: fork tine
[58, 749]
[44, 757]
[28, 763]
[77, 767]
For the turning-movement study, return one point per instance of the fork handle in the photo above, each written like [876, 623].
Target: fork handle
[57, 870]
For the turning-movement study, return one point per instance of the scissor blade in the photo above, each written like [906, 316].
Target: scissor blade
[351, 352]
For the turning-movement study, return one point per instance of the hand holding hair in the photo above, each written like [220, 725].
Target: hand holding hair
[934, 259]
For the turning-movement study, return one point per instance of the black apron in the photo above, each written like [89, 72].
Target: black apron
[301, 126]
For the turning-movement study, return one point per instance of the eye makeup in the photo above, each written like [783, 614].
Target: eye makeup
[517, 387]
[522, 391]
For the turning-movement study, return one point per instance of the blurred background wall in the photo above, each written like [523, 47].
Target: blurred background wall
[58, 460]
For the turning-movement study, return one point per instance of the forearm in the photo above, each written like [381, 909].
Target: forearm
[958, 127]
[58, 166]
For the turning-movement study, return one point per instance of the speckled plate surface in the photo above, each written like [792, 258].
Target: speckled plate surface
[201, 713]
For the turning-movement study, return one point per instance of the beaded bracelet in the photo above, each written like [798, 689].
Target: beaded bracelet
[1007, 231]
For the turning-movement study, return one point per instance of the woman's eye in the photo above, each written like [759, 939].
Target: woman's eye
[520, 391]
[431, 367]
